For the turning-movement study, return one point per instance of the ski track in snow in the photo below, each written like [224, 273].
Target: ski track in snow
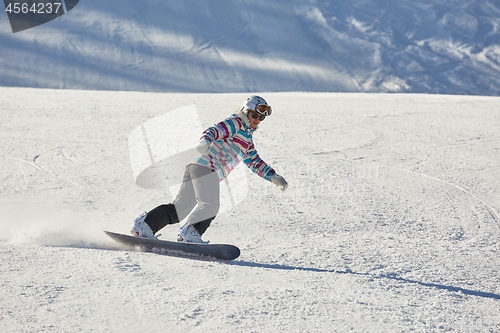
[493, 212]
[390, 222]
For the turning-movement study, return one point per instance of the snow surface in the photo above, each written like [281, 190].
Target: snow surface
[446, 47]
[391, 222]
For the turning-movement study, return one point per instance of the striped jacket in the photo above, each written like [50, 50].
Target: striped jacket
[230, 143]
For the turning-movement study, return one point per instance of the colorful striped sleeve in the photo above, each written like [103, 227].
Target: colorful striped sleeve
[257, 164]
[222, 130]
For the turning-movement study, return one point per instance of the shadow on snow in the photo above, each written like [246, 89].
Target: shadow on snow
[244, 263]
[350, 272]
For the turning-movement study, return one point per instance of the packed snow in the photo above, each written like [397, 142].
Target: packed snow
[417, 46]
[390, 224]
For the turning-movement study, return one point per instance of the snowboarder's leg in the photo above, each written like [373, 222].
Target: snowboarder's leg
[205, 183]
[203, 225]
[186, 199]
[160, 216]
[174, 212]
[200, 185]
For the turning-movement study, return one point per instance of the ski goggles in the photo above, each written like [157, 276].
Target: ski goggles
[256, 115]
[262, 109]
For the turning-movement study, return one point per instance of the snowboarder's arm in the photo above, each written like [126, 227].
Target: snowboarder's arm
[222, 130]
[257, 165]
[261, 168]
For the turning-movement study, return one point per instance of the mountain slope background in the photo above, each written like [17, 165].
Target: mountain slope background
[445, 47]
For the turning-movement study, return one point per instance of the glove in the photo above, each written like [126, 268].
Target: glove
[279, 181]
[203, 146]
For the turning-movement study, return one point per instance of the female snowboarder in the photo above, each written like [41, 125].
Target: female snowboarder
[222, 147]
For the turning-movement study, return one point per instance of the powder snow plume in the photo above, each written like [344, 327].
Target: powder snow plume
[51, 226]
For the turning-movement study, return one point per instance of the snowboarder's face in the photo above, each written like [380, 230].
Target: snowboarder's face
[254, 122]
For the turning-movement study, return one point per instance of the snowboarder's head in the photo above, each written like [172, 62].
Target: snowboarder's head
[256, 109]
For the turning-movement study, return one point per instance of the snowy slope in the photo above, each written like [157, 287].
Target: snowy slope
[390, 224]
[449, 47]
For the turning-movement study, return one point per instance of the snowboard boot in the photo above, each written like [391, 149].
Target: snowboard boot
[141, 228]
[189, 234]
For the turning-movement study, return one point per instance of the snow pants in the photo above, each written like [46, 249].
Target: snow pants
[200, 189]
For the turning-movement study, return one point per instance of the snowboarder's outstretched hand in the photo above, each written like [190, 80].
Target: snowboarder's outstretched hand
[203, 146]
[279, 181]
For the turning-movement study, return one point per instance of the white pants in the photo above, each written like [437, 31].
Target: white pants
[200, 189]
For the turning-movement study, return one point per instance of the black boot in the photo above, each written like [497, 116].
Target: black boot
[203, 225]
[160, 216]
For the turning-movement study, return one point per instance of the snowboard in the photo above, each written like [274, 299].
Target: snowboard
[193, 250]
